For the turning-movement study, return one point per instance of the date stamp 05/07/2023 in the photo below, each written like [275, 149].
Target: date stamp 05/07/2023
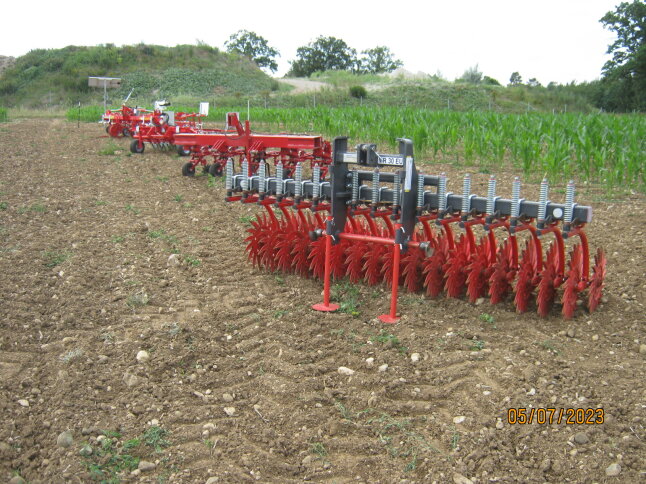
[550, 416]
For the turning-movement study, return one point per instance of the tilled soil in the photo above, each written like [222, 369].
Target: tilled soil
[242, 380]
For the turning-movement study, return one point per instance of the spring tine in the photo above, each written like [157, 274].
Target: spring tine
[569, 203]
[261, 178]
[396, 190]
[466, 196]
[245, 175]
[298, 179]
[491, 195]
[515, 198]
[228, 182]
[355, 187]
[420, 191]
[316, 180]
[279, 180]
[375, 190]
[542, 202]
[441, 195]
[515, 204]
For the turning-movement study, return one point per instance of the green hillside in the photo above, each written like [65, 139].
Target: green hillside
[188, 74]
[58, 77]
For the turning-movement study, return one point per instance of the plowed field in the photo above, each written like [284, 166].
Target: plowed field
[241, 382]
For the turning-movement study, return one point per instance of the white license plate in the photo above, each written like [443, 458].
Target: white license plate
[391, 160]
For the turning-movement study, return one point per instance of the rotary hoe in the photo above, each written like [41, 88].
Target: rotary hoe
[213, 149]
[123, 121]
[160, 128]
[391, 223]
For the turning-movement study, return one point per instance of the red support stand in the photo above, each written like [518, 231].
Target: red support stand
[326, 306]
[392, 318]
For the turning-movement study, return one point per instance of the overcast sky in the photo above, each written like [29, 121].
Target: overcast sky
[551, 40]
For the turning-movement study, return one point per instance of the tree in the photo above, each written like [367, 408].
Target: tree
[325, 53]
[515, 79]
[625, 74]
[533, 82]
[490, 81]
[358, 91]
[378, 60]
[255, 47]
[472, 75]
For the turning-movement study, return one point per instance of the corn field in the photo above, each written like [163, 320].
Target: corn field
[602, 148]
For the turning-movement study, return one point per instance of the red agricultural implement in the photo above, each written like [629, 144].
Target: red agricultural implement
[403, 227]
[124, 121]
[161, 128]
[213, 149]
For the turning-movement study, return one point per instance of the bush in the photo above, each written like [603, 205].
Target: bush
[8, 87]
[358, 91]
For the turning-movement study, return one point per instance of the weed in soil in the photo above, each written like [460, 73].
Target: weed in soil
[131, 208]
[54, 258]
[390, 340]
[137, 300]
[319, 450]
[192, 261]
[109, 149]
[347, 294]
[155, 437]
[107, 463]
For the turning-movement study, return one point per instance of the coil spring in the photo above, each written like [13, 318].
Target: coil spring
[298, 178]
[441, 193]
[245, 175]
[316, 178]
[228, 183]
[569, 202]
[515, 198]
[355, 187]
[466, 194]
[279, 179]
[420, 190]
[542, 200]
[375, 186]
[491, 194]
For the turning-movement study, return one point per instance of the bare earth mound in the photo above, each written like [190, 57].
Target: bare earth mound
[303, 85]
[240, 378]
[6, 62]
